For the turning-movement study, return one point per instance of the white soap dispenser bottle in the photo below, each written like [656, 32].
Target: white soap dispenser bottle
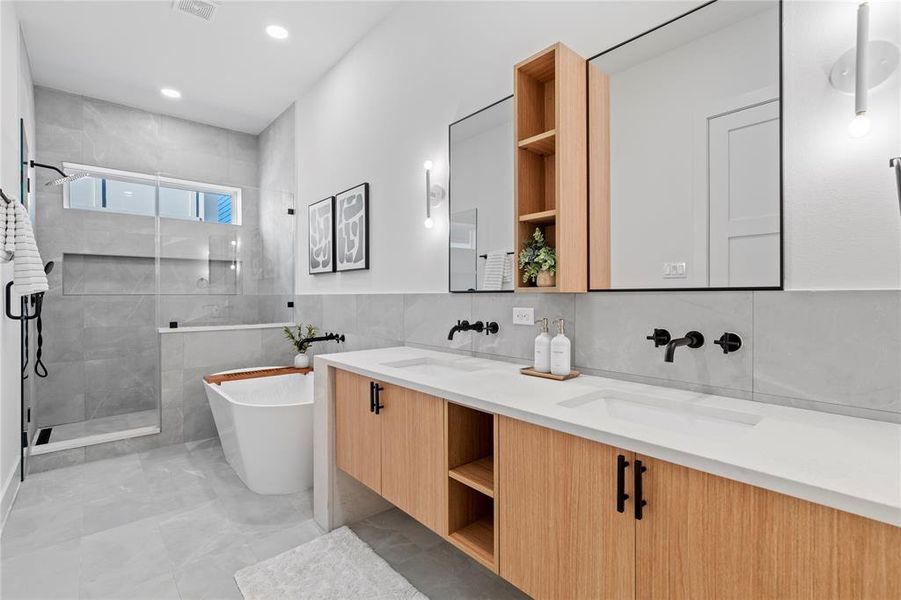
[543, 349]
[561, 352]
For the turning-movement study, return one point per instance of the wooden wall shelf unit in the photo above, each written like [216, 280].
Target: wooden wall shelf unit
[471, 481]
[550, 100]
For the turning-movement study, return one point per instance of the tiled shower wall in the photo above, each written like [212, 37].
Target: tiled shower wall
[185, 357]
[835, 351]
[102, 313]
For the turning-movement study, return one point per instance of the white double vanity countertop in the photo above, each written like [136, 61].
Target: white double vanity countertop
[847, 463]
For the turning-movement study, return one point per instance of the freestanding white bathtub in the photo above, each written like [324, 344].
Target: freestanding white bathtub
[266, 429]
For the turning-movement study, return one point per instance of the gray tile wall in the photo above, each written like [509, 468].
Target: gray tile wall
[186, 357]
[835, 351]
[101, 313]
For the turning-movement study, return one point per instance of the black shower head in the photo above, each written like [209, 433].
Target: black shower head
[64, 177]
[48, 267]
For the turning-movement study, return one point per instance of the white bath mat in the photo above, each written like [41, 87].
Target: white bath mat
[336, 566]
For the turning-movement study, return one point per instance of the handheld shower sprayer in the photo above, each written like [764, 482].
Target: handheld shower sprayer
[40, 369]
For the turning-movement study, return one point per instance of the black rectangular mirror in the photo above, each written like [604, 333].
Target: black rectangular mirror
[481, 200]
[695, 184]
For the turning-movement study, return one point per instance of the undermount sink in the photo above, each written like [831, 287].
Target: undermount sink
[680, 417]
[435, 366]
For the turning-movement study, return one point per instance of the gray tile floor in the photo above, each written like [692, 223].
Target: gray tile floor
[177, 522]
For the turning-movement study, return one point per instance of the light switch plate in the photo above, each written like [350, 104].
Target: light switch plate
[523, 316]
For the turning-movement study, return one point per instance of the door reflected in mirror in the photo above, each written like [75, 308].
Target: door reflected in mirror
[481, 200]
[695, 152]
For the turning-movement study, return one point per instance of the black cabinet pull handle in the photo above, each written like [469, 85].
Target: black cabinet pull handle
[378, 400]
[621, 495]
[372, 396]
[640, 502]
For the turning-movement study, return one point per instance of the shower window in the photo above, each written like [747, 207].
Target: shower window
[135, 193]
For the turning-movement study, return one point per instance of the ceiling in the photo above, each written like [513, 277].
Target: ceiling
[230, 73]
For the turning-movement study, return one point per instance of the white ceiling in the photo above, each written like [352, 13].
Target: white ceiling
[230, 73]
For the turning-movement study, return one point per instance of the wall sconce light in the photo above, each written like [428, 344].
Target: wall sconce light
[862, 68]
[434, 195]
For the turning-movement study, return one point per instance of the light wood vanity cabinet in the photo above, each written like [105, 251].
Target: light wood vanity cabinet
[358, 431]
[413, 476]
[555, 514]
[699, 536]
[703, 536]
[560, 533]
[396, 449]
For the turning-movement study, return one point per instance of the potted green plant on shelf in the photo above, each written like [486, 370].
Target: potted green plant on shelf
[298, 338]
[538, 261]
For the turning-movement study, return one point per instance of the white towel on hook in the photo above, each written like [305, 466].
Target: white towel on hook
[508, 269]
[28, 269]
[5, 255]
[493, 276]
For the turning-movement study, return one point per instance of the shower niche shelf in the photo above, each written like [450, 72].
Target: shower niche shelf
[85, 274]
[550, 99]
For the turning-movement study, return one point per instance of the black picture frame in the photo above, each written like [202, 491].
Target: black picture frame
[363, 264]
[331, 244]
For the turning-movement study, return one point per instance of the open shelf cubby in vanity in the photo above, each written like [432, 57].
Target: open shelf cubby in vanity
[550, 98]
[471, 481]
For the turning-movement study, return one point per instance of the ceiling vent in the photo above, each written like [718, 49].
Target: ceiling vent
[205, 9]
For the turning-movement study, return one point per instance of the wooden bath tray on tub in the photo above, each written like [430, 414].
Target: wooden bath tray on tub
[254, 374]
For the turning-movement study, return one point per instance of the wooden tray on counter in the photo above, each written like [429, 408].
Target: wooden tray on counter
[533, 373]
[256, 373]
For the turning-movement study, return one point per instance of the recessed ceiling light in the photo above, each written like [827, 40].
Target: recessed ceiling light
[170, 93]
[277, 31]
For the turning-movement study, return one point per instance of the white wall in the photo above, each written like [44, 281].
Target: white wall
[385, 108]
[16, 101]
[842, 229]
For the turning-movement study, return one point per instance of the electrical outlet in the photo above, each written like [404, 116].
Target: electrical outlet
[523, 316]
[675, 270]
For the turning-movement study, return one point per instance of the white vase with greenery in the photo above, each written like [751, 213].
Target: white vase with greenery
[296, 337]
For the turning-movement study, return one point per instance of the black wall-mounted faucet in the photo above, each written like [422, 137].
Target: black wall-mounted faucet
[464, 326]
[478, 327]
[660, 337]
[328, 337]
[729, 342]
[692, 339]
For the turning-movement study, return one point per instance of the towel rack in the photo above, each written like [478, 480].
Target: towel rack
[486, 256]
[25, 316]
